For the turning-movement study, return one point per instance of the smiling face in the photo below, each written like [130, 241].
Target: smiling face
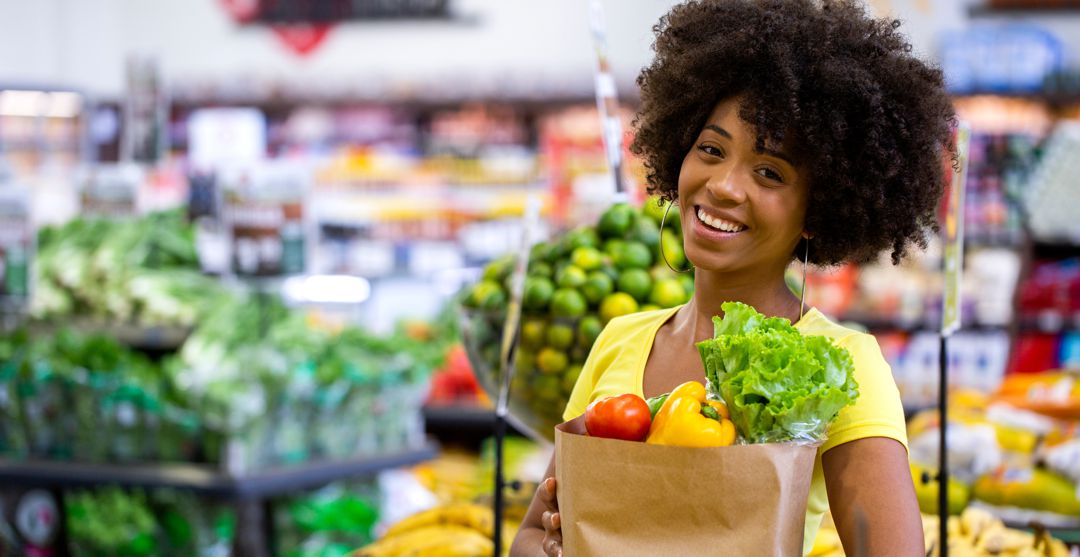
[742, 209]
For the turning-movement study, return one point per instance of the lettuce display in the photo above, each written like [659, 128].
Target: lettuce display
[73, 396]
[254, 385]
[132, 523]
[141, 271]
[778, 384]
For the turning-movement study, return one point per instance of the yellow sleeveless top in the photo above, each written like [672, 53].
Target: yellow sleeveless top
[616, 365]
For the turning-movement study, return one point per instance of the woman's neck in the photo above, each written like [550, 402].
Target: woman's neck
[770, 296]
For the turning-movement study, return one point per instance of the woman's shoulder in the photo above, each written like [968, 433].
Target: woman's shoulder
[640, 323]
[863, 346]
[816, 323]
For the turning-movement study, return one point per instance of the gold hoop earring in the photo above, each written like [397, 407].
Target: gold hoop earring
[805, 269]
[662, 254]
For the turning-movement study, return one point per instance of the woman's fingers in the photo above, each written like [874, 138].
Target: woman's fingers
[553, 545]
[546, 493]
[552, 522]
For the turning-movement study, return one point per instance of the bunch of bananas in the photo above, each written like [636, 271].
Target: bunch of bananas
[975, 533]
[453, 530]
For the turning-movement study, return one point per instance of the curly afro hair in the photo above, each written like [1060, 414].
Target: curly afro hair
[870, 123]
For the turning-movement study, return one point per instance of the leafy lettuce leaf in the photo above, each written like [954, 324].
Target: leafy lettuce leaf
[778, 384]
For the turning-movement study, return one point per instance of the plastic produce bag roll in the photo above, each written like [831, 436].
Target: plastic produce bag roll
[635, 499]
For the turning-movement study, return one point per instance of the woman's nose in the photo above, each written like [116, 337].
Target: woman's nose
[729, 185]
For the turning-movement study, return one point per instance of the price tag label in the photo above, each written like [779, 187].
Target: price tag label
[954, 234]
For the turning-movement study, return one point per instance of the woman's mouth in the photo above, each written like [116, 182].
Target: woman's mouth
[718, 224]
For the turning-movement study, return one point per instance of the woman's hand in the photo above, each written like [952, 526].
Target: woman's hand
[541, 530]
[552, 543]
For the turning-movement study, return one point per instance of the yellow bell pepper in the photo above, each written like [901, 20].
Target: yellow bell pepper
[680, 422]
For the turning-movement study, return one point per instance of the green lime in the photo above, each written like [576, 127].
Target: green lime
[541, 269]
[533, 332]
[588, 259]
[560, 251]
[548, 389]
[650, 307]
[654, 209]
[633, 255]
[616, 221]
[568, 302]
[611, 271]
[551, 361]
[662, 272]
[524, 362]
[570, 377]
[687, 284]
[612, 247]
[647, 232]
[673, 249]
[538, 292]
[636, 282]
[541, 251]
[582, 237]
[560, 336]
[570, 276]
[668, 293]
[589, 329]
[499, 269]
[597, 287]
[488, 295]
[619, 303]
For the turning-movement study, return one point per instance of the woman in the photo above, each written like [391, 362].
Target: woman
[782, 129]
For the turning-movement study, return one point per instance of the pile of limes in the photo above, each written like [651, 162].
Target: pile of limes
[575, 285]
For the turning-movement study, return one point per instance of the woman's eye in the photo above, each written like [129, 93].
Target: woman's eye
[710, 150]
[770, 174]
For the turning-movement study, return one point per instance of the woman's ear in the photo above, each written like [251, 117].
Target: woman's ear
[807, 235]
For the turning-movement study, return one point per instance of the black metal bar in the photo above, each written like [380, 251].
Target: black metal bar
[500, 482]
[943, 457]
[204, 479]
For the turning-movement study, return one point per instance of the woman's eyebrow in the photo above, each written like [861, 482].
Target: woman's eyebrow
[718, 130]
[771, 152]
[778, 154]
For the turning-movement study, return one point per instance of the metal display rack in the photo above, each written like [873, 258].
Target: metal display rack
[252, 494]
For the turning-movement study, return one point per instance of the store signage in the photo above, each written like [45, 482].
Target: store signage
[954, 233]
[334, 11]
[302, 39]
[268, 237]
[111, 190]
[223, 136]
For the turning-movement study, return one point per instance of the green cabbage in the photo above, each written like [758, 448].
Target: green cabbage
[778, 384]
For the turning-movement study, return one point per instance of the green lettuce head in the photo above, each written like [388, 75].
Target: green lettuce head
[778, 384]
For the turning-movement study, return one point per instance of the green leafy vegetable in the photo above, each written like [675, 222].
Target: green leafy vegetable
[778, 384]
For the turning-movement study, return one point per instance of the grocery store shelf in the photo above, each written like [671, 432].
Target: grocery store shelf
[1048, 10]
[460, 416]
[135, 336]
[877, 324]
[204, 479]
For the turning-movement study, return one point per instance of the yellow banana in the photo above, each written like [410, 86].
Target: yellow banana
[469, 515]
[973, 522]
[452, 543]
[393, 546]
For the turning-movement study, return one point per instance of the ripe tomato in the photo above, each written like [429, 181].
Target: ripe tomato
[623, 417]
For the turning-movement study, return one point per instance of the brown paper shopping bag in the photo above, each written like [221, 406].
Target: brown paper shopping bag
[632, 499]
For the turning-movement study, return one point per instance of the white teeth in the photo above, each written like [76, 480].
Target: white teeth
[719, 224]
